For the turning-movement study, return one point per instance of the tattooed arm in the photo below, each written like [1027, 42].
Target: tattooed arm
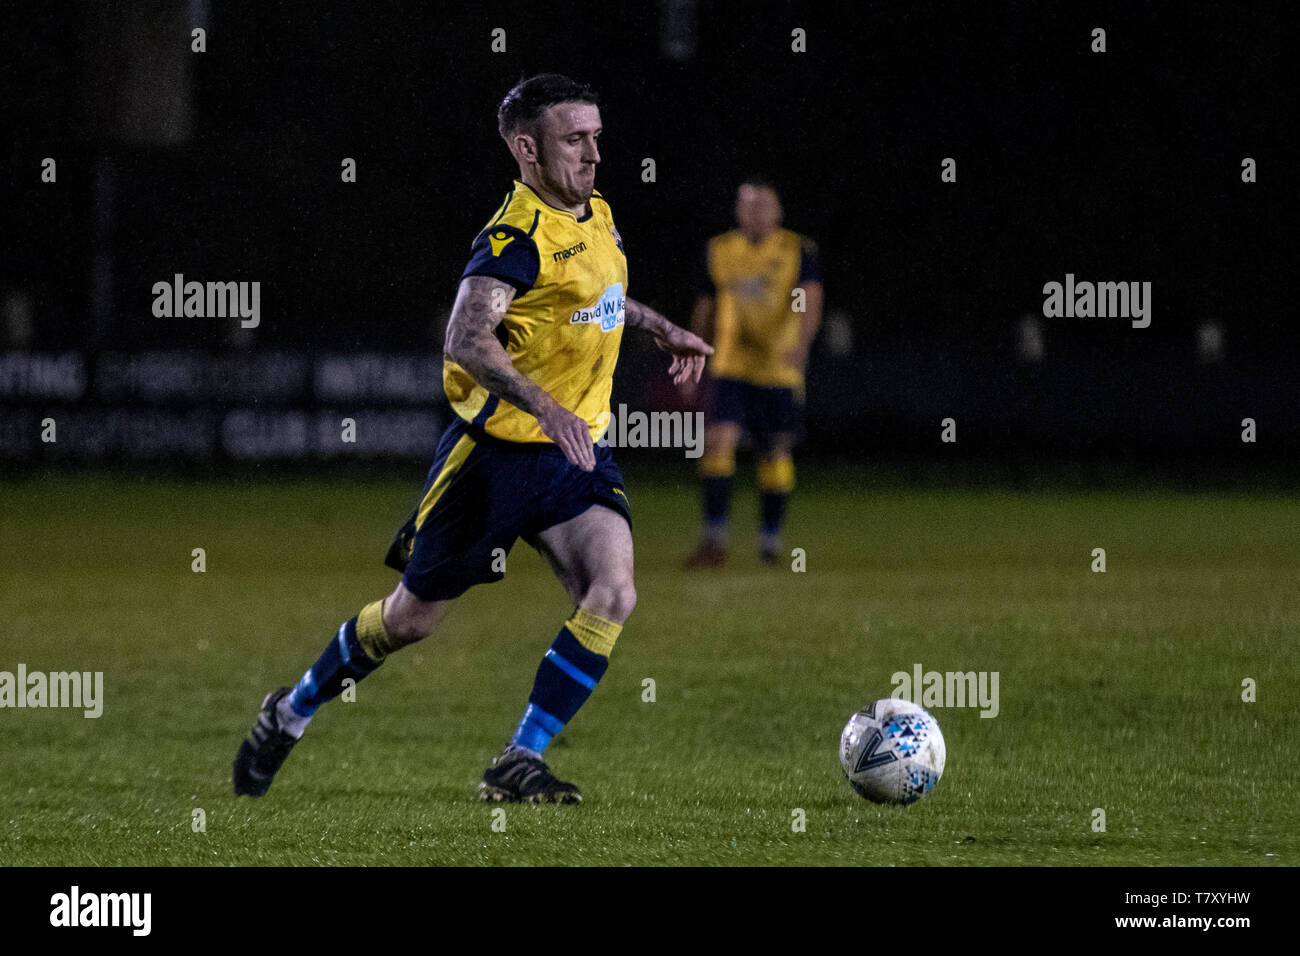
[472, 344]
[687, 349]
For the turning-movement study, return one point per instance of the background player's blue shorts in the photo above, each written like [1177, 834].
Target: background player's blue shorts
[761, 410]
[483, 493]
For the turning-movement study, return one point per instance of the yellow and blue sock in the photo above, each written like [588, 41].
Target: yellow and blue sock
[568, 673]
[775, 482]
[348, 655]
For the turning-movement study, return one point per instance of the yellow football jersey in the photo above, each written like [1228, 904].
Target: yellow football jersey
[564, 326]
[755, 325]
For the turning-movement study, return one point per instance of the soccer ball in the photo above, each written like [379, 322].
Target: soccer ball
[893, 751]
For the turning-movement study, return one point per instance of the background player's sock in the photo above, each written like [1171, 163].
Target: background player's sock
[565, 678]
[773, 517]
[775, 481]
[344, 657]
[716, 470]
[717, 507]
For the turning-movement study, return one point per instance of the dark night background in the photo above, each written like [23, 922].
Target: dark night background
[1122, 166]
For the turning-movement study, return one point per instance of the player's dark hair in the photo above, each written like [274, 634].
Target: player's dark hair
[523, 105]
[760, 181]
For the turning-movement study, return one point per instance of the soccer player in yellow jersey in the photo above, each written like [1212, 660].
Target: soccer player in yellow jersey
[528, 366]
[761, 307]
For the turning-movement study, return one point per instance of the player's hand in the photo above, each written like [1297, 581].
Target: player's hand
[569, 432]
[688, 351]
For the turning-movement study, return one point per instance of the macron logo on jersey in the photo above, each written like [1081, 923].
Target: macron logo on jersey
[569, 252]
[608, 312]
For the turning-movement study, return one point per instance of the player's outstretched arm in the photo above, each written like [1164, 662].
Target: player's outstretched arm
[687, 349]
[702, 317]
[472, 344]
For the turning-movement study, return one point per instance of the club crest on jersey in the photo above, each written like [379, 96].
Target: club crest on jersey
[607, 312]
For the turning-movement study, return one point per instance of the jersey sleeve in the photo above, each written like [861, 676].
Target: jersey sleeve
[810, 261]
[505, 253]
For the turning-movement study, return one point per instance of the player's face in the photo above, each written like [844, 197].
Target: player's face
[758, 211]
[568, 153]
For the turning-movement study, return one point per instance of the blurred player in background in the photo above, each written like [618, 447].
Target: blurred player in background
[759, 277]
[528, 368]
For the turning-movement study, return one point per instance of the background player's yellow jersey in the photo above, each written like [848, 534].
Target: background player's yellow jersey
[564, 326]
[755, 326]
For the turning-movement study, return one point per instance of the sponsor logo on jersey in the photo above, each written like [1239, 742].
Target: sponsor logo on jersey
[750, 288]
[607, 312]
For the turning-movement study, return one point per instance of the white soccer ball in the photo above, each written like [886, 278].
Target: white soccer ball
[893, 751]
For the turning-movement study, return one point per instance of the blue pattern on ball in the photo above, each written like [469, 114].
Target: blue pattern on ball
[907, 733]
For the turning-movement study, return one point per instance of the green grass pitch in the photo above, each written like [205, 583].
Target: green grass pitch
[1120, 691]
